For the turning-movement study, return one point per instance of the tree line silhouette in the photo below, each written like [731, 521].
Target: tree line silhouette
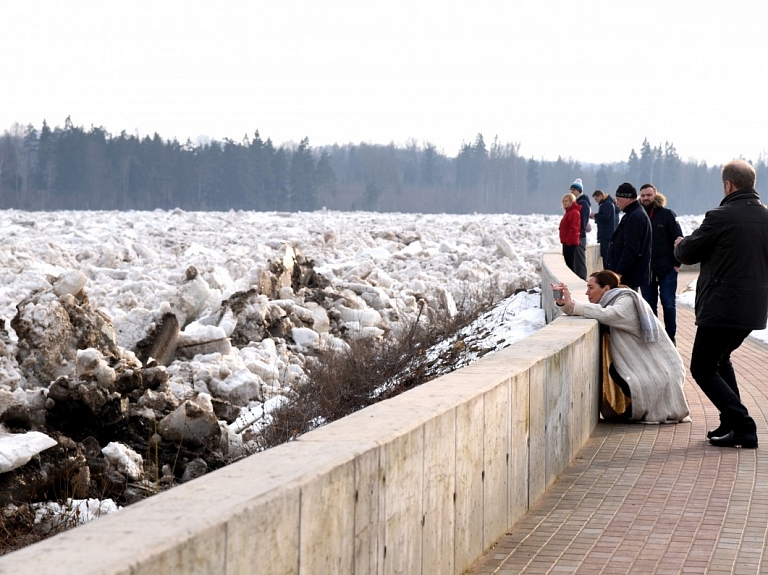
[73, 168]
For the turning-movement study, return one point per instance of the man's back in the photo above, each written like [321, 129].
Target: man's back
[630, 254]
[607, 218]
[731, 296]
[732, 246]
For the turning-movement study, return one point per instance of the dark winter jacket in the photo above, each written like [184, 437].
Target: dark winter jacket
[606, 218]
[664, 231]
[732, 246]
[586, 209]
[630, 251]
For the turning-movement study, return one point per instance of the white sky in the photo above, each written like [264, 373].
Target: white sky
[585, 80]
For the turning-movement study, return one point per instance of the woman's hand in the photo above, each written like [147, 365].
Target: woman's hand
[565, 293]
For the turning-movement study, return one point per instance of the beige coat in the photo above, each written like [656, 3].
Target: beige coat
[654, 371]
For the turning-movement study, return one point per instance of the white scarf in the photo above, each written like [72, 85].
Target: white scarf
[648, 323]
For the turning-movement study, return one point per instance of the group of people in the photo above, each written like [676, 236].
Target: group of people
[638, 246]
[643, 250]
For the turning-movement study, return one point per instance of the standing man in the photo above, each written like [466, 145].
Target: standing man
[664, 265]
[731, 296]
[581, 252]
[606, 218]
[630, 253]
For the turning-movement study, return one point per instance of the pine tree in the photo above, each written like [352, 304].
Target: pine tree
[532, 176]
[633, 167]
[9, 169]
[601, 179]
[428, 165]
[671, 170]
[29, 151]
[279, 195]
[45, 172]
[302, 177]
[645, 173]
[325, 179]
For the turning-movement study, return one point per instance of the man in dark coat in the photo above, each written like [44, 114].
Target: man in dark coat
[731, 296]
[606, 218]
[630, 252]
[580, 262]
[664, 265]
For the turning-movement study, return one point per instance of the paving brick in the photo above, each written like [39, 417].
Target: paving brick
[654, 499]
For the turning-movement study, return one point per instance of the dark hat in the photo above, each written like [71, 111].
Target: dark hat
[626, 190]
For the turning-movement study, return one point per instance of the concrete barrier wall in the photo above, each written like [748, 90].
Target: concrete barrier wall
[554, 270]
[422, 483]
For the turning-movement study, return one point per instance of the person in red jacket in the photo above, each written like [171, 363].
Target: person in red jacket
[570, 230]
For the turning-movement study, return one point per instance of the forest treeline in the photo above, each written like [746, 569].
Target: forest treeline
[70, 167]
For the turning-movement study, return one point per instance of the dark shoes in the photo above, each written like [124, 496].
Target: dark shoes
[747, 440]
[719, 432]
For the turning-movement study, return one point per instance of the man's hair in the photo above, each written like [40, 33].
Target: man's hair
[646, 186]
[740, 173]
[597, 193]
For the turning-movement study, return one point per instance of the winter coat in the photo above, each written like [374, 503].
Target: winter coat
[732, 246]
[586, 209]
[630, 250]
[664, 231]
[570, 226]
[653, 370]
[606, 218]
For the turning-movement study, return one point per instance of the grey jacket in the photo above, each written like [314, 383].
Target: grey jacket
[653, 371]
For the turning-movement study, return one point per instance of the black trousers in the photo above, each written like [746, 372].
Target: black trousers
[569, 255]
[712, 369]
[581, 258]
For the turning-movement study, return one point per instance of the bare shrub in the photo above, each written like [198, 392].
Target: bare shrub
[341, 382]
[22, 525]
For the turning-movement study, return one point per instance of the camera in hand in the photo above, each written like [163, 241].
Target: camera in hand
[557, 293]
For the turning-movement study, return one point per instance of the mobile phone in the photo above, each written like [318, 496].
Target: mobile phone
[557, 293]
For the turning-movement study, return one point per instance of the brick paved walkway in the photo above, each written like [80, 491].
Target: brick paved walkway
[654, 499]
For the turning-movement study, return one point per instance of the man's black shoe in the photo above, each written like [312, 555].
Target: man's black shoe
[732, 439]
[719, 432]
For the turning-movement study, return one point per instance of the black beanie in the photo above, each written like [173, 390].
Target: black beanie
[626, 190]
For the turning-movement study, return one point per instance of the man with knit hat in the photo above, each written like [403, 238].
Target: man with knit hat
[630, 252]
[580, 261]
